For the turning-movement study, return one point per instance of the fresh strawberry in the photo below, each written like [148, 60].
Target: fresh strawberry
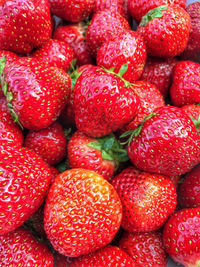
[105, 257]
[165, 30]
[101, 155]
[139, 8]
[181, 237]
[49, 143]
[21, 248]
[159, 71]
[147, 199]
[127, 47]
[24, 181]
[193, 111]
[54, 173]
[146, 249]
[36, 94]
[55, 53]
[71, 10]
[175, 179]
[74, 36]
[103, 102]
[82, 213]
[24, 24]
[192, 51]
[104, 24]
[167, 142]
[185, 88]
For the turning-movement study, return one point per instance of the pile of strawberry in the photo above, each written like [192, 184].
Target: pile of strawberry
[99, 133]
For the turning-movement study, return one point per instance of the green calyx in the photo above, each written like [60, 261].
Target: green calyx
[74, 76]
[121, 72]
[154, 13]
[196, 123]
[2, 64]
[111, 149]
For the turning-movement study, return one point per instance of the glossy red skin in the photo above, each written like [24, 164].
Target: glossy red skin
[181, 237]
[71, 10]
[20, 25]
[185, 88]
[192, 111]
[150, 99]
[102, 102]
[146, 249]
[192, 51]
[127, 47]
[167, 36]
[73, 35]
[24, 180]
[55, 53]
[49, 143]
[37, 90]
[104, 25]
[138, 8]
[54, 173]
[82, 213]
[107, 256]
[147, 199]
[158, 71]
[168, 143]
[189, 190]
[82, 156]
[21, 248]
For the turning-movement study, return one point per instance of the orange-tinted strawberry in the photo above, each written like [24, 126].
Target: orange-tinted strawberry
[82, 213]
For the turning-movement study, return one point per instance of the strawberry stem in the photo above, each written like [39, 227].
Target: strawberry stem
[121, 72]
[2, 64]
[154, 13]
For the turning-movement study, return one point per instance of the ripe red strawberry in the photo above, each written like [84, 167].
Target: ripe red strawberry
[165, 30]
[24, 24]
[35, 93]
[104, 257]
[181, 237]
[146, 249]
[103, 102]
[167, 143]
[49, 143]
[55, 53]
[54, 173]
[74, 36]
[24, 181]
[147, 199]
[194, 112]
[101, 155]
[159, 71]
[71, 10]
[192, 51]
[82, 213]
[139, 8]
[104, 24]
[21, 248]
[189, 196]
[185, 88]
[127, 47]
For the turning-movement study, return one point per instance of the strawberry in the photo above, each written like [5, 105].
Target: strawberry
[189, 196]
[185, 88]
[103, 102]
[192, 50]
[139, 8]
[24, 181]
[82, 213]
[147, 199]
[61, 261]
[71, 10]
[24, 25]
[104, 24]
[194, 112]
[127, 47]
[158, 71]
[104, 257]
[101, 155]
[181, 237]
[55, 53]
[167, 142]
[49, 143]
[74, 36]
[165, 30]
[21, 248]
[54, 173]
[146, 249]
[36, 94]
